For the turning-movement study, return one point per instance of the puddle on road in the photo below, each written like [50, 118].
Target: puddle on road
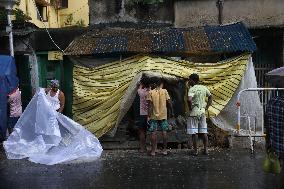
[129, 169]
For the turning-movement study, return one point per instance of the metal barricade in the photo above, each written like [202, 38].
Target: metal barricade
[251, 134]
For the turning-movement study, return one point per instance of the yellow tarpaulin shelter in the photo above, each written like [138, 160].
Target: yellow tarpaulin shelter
[100, 93]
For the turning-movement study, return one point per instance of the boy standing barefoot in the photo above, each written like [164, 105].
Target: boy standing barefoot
[143, 91]
[196, 122]
[158, 99]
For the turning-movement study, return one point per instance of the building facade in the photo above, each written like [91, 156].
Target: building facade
[263, 18]
[56, 13]
[36, 55]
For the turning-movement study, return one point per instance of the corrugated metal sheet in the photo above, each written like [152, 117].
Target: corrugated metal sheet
[208, 39]
[168, 41]
[112, 43]
[230, 38]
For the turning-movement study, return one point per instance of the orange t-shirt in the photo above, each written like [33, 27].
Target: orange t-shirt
[158, 97]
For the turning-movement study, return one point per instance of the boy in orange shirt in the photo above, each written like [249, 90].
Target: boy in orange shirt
[158, 100]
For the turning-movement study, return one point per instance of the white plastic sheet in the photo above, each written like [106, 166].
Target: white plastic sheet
[250, 106]
[45, 136]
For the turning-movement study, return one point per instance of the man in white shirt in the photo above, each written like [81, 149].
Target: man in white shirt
[55, 96]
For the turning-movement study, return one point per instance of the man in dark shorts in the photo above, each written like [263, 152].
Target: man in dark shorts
[158, 99]
[143, 91]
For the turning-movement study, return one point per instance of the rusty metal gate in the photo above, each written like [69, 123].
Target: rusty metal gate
[260, 71]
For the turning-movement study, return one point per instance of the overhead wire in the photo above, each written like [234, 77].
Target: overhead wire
[46, 28]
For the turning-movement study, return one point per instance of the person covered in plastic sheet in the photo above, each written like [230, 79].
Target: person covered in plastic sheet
[143, 91]
[15, 108]
[158, 101]
[55, 96]
[43, 135]
[196, 122]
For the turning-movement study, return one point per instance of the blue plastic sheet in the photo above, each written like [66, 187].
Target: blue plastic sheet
[8, 82]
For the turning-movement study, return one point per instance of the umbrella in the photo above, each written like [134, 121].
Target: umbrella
[276, 77]
[277, 72]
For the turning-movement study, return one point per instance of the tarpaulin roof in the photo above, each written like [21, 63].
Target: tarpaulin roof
[208, 39]
[102, 95]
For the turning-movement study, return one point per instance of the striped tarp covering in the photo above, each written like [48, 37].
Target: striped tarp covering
[100, 93]
[208, 39]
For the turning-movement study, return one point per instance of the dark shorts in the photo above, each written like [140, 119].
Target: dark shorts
[158, 125]
[12, 122]
[143, 122]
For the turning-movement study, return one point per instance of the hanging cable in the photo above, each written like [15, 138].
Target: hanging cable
[46, 28]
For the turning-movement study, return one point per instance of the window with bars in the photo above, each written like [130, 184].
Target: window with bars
[59, 4]
[42, 12]
[64, 3]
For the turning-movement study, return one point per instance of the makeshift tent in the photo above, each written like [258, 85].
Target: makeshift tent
[8, 82]
[45, 136]
[102, 95]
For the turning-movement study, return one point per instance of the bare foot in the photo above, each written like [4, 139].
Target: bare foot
[195, 153]
[205, 152]
[165, 152]
[142, 150]
[152, 154]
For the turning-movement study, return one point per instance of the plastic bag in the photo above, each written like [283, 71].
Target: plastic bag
[271, 163]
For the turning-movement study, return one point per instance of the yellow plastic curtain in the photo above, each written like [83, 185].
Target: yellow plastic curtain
[98, 92]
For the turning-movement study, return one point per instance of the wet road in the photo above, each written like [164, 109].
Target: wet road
[222, 169]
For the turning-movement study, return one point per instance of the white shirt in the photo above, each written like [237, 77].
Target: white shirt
[54, 100]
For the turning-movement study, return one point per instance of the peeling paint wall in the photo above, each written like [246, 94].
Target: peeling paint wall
[57, 18]
[254, 13]
[110, 11]
[195, 13]
[185, 13]
[79, 10]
